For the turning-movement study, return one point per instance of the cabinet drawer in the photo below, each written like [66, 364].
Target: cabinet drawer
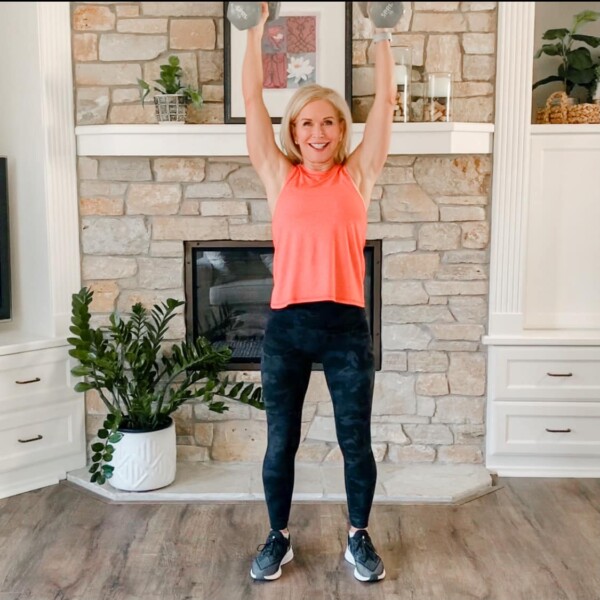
[552, 428]
[35, 374]
[546, 373]
[42, 434]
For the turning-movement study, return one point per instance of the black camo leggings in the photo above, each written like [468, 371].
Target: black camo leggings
[336, 335]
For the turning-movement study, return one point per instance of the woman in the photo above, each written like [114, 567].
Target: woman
[318, 195]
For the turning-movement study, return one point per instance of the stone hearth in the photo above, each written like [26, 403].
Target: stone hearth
[235, 482]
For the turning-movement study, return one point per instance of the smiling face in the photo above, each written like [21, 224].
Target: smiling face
[318, 132]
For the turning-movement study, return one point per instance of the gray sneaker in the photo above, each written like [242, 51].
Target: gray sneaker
[276, 551]
[361, 553]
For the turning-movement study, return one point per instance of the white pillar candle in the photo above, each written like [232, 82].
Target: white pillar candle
[401, 75]
[439, 87]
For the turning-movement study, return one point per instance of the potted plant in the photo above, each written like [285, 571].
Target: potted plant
[141, 386]
[171, 103]
[576, 67]
[596, 87]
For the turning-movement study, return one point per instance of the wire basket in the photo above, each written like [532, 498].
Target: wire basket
[559, 110]
[171, 108]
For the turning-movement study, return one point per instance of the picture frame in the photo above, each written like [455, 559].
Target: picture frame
[300, 46]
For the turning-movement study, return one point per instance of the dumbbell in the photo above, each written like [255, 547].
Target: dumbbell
[384, 15]
[245, 15]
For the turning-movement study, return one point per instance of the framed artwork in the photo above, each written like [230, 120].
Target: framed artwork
[309, 42]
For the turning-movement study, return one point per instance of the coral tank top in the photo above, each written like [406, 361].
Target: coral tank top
[319, 234]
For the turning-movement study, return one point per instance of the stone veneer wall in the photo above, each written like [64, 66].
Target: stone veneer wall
[430, 211]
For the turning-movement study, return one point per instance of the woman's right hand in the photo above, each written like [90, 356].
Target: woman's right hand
[264, 15]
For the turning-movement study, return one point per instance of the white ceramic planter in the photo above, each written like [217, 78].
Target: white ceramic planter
[145, 461]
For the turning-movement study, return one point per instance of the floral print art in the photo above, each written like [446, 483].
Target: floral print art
[289, 52]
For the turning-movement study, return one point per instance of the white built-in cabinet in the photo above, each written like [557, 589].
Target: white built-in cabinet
[41, 420]
[42, 433]
[543, 409]
[562, 270]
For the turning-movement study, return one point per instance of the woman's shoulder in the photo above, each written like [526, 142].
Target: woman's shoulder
[350, 169]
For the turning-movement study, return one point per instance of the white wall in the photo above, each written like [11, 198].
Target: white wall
[22, 141]
[557, 15]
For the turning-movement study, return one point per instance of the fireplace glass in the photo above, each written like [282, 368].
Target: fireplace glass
[228, 290]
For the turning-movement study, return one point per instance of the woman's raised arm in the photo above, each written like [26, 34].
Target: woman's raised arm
[366, 162]
[264, 154]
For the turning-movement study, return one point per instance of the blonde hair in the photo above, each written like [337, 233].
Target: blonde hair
[303, 96]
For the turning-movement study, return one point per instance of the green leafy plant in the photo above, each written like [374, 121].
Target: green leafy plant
[595, 87]
[169, 82]
[140, 384]
[225, 321]
[577, 64]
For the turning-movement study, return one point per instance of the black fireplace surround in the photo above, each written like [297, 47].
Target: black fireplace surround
[228, 288]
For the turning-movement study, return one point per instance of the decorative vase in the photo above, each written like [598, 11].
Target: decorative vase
[438, 102]
[145, 460]
[403, 75]
[171, 108]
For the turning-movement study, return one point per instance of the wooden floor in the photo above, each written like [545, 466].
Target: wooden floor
[535, 539]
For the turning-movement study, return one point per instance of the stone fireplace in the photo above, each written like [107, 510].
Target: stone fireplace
[430, 211]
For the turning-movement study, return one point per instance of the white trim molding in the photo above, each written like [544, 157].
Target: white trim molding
[510, 185]
[59, 158]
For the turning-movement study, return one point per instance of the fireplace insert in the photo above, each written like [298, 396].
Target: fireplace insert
[228, 288]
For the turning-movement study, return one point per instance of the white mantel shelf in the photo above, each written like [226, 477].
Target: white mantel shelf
[229, 140]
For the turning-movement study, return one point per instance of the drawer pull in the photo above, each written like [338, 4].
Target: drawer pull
[28, 381]
[560, 374]
[568, 430]
[35, 439]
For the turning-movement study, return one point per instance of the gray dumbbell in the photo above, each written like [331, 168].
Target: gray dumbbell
[245, 15]
[383, 15]
[273, 10]
[363, 9]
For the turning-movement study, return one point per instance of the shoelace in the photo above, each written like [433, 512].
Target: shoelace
[269, 548]
[365, 550]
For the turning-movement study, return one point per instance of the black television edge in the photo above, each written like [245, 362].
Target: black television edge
[4, 243]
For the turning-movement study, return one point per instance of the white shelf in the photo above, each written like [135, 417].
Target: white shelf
[545, 337]
[19, 341]
[229, 140]
[562, 129]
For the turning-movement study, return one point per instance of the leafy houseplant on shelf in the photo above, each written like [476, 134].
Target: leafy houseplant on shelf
[173, 97]
[141, 386]
[596, 88]
[576, 67]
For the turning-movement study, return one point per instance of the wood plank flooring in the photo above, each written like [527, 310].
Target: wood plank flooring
[532, 539]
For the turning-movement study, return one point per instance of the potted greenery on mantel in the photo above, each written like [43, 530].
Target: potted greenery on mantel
[141, 386]
[173, 96]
